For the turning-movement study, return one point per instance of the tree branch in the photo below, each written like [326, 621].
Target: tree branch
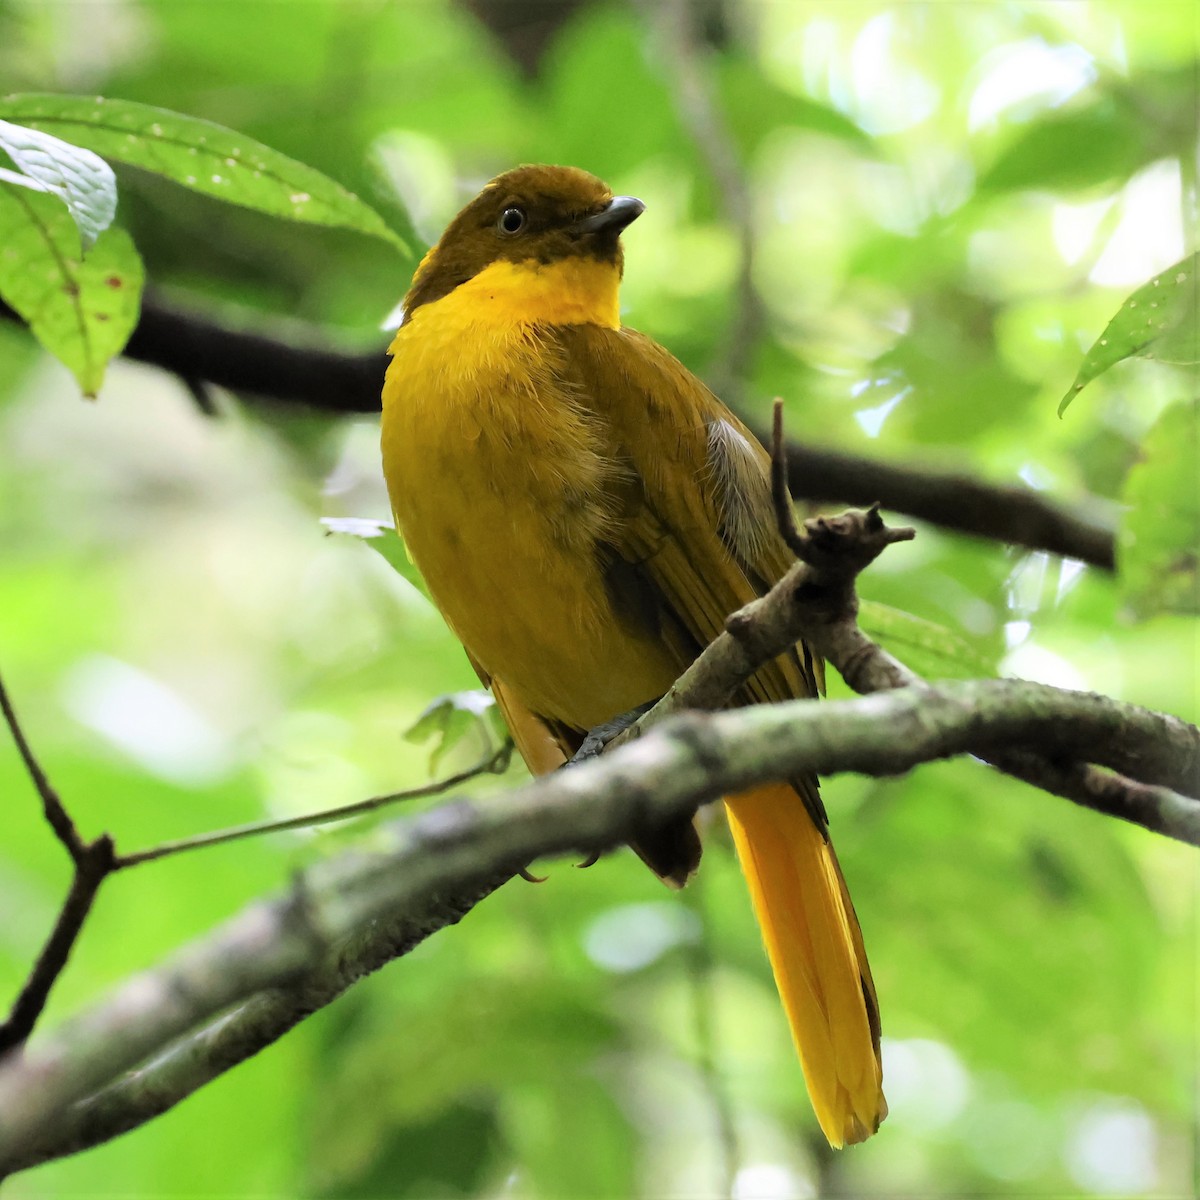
[494, 761]
[817, 603]
[240, 988]
[304, 368]
[95, 861]
[91, 862]
[959, 503]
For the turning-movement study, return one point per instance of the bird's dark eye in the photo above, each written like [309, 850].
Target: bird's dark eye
[512, 220]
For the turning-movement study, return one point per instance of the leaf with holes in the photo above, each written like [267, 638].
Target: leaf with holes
[82, 310]
[1157, 321]
[83, 181]
[928, 648]
[1158, 543]
[200, 155]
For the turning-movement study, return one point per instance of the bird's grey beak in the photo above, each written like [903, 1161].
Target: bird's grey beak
[621, 210]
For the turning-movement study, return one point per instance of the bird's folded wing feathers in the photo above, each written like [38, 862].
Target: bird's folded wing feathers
[694, 516]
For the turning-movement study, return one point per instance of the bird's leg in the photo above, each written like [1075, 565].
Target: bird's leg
[597, 738]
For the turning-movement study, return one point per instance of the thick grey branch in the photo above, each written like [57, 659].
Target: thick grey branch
[242, 987]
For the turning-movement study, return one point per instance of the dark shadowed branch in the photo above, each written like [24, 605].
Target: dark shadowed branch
[304, 367]
[960, 503]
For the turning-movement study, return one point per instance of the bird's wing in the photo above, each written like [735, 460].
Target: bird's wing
[694, 535]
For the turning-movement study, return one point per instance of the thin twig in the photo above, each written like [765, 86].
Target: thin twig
[838, 546]
[56, 813]
[89, 874]
[494, 762]
[92, 862]
[817, 602]
[201, 392]
[781, 495]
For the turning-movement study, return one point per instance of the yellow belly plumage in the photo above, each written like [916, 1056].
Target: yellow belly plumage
[497, 482]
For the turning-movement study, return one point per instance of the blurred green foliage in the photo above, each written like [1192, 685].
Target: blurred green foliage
[948, 205]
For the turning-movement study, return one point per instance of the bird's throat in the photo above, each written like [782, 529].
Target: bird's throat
[567, 291]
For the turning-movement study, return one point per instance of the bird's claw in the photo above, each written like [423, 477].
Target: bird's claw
[599, 736]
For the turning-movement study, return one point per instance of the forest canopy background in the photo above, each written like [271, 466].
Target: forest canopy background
[909, 221]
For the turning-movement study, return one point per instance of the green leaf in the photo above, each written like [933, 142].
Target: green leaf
[382, 537]
[754, 106]
[83, 181]
[634, 122]
[516, 1044]
[81, 310]
[448, 719]
[200, 155]
[1158, 543]
[1070, 150]
[930, 649]
[572, 1109]
[1157, 321]
[447, 1154]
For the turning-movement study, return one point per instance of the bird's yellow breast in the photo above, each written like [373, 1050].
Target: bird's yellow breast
[498, 476]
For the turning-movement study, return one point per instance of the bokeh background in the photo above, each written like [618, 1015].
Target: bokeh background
[908, 220]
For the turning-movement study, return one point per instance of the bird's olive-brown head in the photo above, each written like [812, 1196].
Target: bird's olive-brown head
[537, 215]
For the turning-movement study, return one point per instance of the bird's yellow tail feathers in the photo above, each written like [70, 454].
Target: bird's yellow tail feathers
[816, 951]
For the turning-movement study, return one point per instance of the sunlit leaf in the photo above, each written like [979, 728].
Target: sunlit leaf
[616, 132]
[1158, 543]
[1067, 150]
[1157, 321]
[928, 648]
[382, 537]
[200, 155]
[448, 719]
[753, 106]
[82, 311]
[83, 181]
